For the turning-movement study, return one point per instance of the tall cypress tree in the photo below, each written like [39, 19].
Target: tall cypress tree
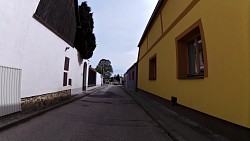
[85, 41]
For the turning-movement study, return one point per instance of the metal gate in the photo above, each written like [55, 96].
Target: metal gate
[10, 90]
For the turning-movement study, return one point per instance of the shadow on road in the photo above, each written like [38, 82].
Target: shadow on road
[107, 94]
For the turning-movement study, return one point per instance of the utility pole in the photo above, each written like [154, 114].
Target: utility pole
[102, 73]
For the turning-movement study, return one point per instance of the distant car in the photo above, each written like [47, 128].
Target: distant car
[115, 83]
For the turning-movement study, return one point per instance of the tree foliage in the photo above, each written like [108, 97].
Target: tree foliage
[104, 67]
[117, 77]
[85, 41]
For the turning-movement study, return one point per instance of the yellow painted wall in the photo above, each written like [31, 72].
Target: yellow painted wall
[172, 10]
[225, 92]
[155, 32]
[143, 48]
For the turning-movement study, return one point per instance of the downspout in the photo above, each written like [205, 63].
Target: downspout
[248, 62]
[136, 79]
[136, 64]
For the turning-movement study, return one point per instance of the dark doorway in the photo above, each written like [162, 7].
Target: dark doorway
[84, 84]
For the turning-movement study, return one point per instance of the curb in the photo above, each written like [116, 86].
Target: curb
[169, 131]
[24, 117]
[177, 126]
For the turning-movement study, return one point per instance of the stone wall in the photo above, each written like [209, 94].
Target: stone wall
[42, 101]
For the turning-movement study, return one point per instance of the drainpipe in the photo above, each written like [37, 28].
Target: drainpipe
[136, 78]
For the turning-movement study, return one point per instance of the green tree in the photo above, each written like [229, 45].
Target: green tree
[117, 77]
[104, 67]
[111, 79]
[85, 41]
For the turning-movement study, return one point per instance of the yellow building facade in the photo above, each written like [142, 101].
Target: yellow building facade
[199, 52]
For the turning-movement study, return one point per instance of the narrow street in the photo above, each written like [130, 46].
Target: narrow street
[107, 115]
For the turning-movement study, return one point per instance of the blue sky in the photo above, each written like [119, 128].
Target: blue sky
[118, 27]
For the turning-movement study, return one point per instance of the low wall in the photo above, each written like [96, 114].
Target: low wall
[42, 101]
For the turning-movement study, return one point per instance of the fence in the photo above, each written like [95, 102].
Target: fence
[10, 90]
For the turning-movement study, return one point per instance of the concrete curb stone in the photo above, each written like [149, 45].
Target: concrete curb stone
[173, 134]
[166, 119]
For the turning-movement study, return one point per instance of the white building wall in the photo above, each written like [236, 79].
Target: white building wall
[28, 45]
[98, 79]
[76, 72]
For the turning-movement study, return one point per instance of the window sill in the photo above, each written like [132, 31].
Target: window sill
[192, 77]
[195, 76]
[152, 79]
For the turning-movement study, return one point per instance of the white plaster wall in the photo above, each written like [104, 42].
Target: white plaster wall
[28, 45]
[76, 72]
[98, 79]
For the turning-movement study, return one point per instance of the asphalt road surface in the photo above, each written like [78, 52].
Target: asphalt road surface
[107, 115]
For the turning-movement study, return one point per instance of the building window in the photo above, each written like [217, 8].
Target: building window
[65, 74]
[70, 82]
[65, 78]
[195, 57]
[152, 68]
[191, 53]
[66, 64]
